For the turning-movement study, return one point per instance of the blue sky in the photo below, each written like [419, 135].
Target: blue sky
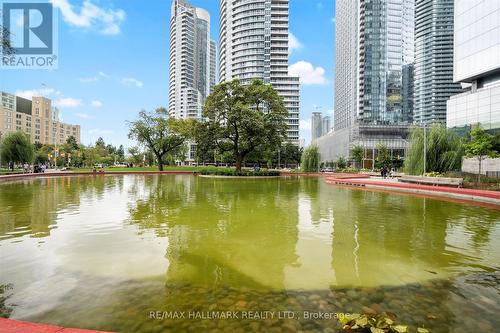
[113, 62]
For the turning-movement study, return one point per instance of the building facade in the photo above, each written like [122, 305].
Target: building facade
[373, 79]
[316, 125]
[433, 60]
[254, 45]
[192, 60]
[37, 118]
[476, 66]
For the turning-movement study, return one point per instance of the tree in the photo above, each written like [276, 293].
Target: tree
[383, 157]
[444, 151]
[480, 147]
[17, 148]
[71, 141]
[159, 134]
[311, 159]
[136, 156]
[5, 42]
[341, 162]
[358, 154]
[244, 118]
[202, 133]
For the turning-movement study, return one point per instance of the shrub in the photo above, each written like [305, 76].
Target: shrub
[242, 173]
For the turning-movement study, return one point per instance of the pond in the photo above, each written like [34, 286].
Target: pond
[171, 253]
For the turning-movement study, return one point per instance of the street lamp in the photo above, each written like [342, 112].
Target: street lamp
[425, 148]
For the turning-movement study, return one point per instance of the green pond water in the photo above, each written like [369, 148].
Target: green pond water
[170, 253]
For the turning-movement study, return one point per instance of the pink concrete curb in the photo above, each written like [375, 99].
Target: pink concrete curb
[15, 326]
[461, 193]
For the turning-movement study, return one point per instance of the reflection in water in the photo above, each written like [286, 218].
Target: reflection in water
[101, 252]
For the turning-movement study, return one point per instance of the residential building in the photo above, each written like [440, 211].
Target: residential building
[254, 45]
[192, 60]
[326, 125]
[319, 125]
[476, 66]
[35, 117]
[433, 60]
[316, 125]
[373, 79]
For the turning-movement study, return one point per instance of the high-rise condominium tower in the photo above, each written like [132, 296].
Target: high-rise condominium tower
[254, 45]
[433, 60]
[192, 60]
[373, 78]
[385, 49]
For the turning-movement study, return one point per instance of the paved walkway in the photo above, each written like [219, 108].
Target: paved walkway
[14, 326]
[492, 197]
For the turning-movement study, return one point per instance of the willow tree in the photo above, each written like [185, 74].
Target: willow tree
[311, 159]
[245, 118]
[17, 148]
[443, 150]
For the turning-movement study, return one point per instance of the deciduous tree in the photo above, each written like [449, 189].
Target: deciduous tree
[244, 118]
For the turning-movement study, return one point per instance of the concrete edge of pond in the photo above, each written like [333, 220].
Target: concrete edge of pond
[471, 195]
[15, 326]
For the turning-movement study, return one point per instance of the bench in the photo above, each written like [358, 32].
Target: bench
[435, 181]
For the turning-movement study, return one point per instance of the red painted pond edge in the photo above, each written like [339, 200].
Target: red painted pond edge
[15, 326]
[492, 197]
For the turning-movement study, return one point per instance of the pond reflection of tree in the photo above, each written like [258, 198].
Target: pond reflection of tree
[30, 207]
[218, 228]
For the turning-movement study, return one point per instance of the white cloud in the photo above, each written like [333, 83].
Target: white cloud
[308, 73]
[130, 81]
[98, 131]
[104, 75]
[44, 92]
[68, 102]
[305, 125]
[84, 116]
[293, 43]
[105, 20]
[96, 104]
[89, 79]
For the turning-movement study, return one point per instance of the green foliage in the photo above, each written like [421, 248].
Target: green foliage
[239, 173]
[162, 136]
[17, 148]
[481, 144]
[383, 157]
[444, 151]
[243, 119]
[311, 159]
[358, 153]
[341, 162]
[480, 147]
[379, 323]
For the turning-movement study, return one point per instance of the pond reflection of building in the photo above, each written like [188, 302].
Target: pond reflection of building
[221, 235]
[312, 269]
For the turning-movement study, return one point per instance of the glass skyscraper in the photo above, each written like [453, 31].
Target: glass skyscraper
[192, 60]
[433, 60]
[385, 52]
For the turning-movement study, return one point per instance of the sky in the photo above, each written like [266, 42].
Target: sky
[113, 62]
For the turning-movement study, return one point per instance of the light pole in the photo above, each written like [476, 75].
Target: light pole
[425, 149]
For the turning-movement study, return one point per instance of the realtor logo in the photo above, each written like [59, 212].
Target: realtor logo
[30, 28]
